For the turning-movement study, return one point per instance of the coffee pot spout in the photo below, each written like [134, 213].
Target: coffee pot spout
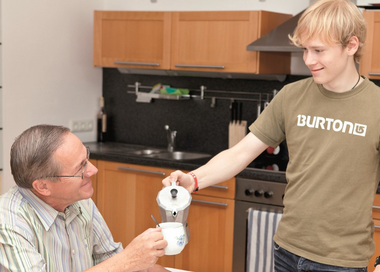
[174, 213]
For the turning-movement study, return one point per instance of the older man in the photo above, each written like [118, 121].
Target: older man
[48, 222]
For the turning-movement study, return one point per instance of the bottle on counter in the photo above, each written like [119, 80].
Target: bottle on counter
[102, 122]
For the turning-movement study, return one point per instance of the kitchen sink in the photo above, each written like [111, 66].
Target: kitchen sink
[148, 152]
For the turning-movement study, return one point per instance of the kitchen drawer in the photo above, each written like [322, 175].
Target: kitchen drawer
[224, 189]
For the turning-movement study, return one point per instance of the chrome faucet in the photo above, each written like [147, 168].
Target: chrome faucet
[170, 134]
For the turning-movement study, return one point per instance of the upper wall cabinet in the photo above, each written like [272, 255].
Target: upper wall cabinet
[217, 42]
[132, 39]
[188, 41]
[370, 63]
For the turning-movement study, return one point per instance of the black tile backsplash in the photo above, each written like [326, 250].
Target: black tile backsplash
[199, 126]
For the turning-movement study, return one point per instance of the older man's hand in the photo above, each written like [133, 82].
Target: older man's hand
[144, 251]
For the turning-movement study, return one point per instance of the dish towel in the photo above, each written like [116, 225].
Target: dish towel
[262, 226]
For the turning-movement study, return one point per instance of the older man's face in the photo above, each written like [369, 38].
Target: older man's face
[72, 156]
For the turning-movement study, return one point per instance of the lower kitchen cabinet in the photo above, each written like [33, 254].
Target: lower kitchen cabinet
[126, 197]
[210, 222]
[376, 234]
[94, 179]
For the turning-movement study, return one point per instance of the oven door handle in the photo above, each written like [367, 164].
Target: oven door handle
[210, 202]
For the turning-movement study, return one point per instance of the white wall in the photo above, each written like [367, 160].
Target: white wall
[283, 6]
[47, 69]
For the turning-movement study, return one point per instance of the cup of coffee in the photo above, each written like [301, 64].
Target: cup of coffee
[174, 234]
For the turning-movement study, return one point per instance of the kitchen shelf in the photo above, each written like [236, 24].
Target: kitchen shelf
[146, 97]
[202, 93]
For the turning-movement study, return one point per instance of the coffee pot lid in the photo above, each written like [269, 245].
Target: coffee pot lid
[174, 197]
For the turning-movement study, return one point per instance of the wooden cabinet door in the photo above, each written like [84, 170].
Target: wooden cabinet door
[225, 189]
[210, 222]
[370, 62]
[94, 181]
[127, 197]
[132, 39]
[217, 41]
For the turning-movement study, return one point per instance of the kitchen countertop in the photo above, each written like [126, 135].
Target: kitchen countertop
[116, 152]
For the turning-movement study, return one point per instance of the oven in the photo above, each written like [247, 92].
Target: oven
[260, 195]
[252, 194]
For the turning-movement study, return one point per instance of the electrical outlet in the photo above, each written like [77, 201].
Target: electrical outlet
[81, 125]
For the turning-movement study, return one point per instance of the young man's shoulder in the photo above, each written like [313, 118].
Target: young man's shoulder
[297, 87]
[301, 84]
[371, 84]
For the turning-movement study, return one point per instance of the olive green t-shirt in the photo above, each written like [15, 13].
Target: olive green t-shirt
[333, 170]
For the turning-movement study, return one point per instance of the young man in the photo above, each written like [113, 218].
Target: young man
[48, 222]
[331, 123]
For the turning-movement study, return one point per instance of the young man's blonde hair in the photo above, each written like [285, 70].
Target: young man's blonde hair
[332, 21]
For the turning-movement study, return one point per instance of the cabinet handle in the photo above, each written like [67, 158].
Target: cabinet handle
[373, 74]
[219, 187]
[376, 207]
[376, 227]
[198, 66]
[137, 63]
[210, 202]
[141, 170]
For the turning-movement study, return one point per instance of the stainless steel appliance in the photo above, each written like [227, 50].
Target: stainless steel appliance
[255, 194]
[174, 204]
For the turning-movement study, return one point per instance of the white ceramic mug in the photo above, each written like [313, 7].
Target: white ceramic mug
[174, 234]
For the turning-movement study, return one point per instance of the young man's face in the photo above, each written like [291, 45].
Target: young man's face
[330, 65]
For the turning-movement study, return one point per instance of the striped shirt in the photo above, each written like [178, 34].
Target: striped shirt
[36, 237]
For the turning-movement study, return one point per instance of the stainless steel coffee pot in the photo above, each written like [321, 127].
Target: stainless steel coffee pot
[174, 204]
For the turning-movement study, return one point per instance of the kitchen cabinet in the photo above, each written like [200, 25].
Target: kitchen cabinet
[376, 234]
[126, 197]
[212, 41]
[211, 220]
[370, 62]
[132, 39]
[216, 41]
[93, 180]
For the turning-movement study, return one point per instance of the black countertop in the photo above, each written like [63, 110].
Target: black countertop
[116, 152]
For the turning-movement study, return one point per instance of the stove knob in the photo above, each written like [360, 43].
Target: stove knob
[259, 193]
[268, 194]
[249, 192]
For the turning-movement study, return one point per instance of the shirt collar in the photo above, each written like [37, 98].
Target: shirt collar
[45, 212]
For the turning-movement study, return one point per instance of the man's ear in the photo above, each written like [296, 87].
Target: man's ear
[353, 45]
[41, 187]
